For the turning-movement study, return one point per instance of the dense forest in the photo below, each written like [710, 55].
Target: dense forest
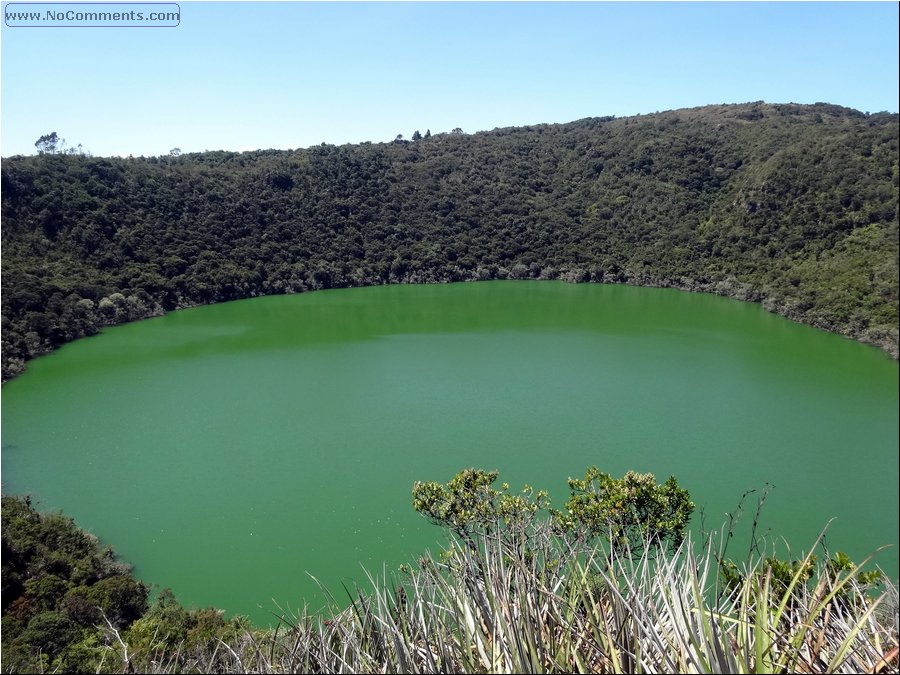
[793, 206]
[66, 595]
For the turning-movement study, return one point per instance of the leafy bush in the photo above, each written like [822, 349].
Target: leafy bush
[634, 511]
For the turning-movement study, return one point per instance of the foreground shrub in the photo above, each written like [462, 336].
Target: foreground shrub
[494, 609]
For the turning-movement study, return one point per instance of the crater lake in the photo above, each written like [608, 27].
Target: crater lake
[245, 452]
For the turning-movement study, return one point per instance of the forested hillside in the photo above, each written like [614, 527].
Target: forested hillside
[789, 205]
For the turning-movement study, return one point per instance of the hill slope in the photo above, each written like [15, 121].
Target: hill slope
[789, 205]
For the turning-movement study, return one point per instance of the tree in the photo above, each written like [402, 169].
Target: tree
[632, 511]
[52, 144]
[457, 130]
[121, 599]
[428, 133]
[469, 504]
[51, 632]
[48, 144]
[416, 135]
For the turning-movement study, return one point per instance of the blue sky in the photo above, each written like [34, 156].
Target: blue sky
[241, 76]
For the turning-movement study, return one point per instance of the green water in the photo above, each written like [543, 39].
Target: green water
[232, 451]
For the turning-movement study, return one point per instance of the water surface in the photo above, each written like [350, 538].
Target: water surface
[232, 451]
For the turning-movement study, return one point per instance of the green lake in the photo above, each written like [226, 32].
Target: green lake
[232, 451]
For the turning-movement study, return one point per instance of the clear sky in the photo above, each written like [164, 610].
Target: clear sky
[242, 76]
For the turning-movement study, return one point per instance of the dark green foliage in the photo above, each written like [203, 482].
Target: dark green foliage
[793, 577]
[120, 599]
[58, 585]
[841, 563]
[632, 512]
[64, 594]
[469, 504]
[793, 206]
[779, 574]
[466, 501]
[50, 632]
[42, 552]
[168, 627]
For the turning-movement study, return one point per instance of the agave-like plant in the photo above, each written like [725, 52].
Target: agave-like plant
[525, 600]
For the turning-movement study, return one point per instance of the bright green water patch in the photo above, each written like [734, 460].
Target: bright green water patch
[230, 450]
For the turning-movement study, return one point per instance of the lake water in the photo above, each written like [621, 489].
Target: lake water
[232, 451]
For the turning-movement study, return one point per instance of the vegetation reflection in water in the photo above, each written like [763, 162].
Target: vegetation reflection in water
[230, 450]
